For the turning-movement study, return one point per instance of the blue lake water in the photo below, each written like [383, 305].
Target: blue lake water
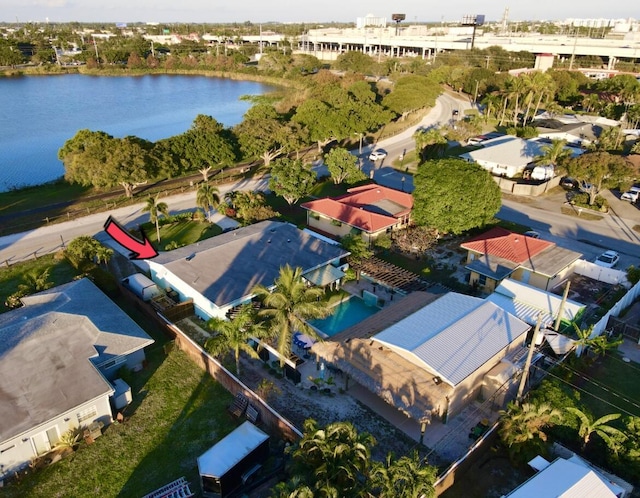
[39, 113]
[345, 314]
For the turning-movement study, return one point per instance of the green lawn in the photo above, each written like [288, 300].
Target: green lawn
[61, 272]
[611, 375]
[179, 413]
[181, 232]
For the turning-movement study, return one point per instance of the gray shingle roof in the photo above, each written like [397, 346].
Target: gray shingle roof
[225, 268]
[454, 335]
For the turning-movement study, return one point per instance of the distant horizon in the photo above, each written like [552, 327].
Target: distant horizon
[279, 11]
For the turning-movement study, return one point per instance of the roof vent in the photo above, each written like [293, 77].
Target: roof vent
[288, 240]
[269, 241]
[437, 380]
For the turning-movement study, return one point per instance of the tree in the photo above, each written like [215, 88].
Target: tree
[289, 306]
[442, 198]
[357, 246]
[291, 179]
[588, 426]
[415, 239]
[355, 61]
[265, 134]
[337, 456]
[207, 145]
[411, 93]
[207, 197]
[554, 154]
[406, 477]
[430, 142]
[233, 335]
[597, 170]
[35, 281]
[85, 249]
[155, 210]
[343, 166]
[97, 159]
[522, 428]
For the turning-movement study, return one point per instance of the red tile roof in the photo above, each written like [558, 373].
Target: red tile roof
[508, 245]
[356, 217]
[352, 209]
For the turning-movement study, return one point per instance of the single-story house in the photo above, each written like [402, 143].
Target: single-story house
[427, 355]
[499, 253]
[570, 477]
[219, 273]
[508, 156]
[58, 354]
[369, 210]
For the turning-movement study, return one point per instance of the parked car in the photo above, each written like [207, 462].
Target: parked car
[568, 183]
[532, 233]
[632, 195]
[377, 154]
[608, 259]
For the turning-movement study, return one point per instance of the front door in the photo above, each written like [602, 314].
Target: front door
[41, 443]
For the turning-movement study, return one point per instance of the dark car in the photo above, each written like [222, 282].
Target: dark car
[568, 183]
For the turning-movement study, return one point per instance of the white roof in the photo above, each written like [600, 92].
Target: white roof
[526, 302]
[221, 457]
[507, 150]
[563, 479]
[454, 335]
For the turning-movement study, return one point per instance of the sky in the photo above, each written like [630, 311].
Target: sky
[256, 11]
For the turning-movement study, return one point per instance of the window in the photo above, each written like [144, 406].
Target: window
[482, 280]
[87, 414]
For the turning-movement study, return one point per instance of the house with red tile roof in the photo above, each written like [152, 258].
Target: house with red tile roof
[369, 210]
[500, 253]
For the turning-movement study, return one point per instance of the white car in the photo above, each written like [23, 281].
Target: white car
[377, 154]
[532, 233]
[632, 195]
[608, 259]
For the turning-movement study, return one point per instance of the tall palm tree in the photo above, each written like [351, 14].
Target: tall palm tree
[406, 477]
[337, 456]
[103, 254]
[155, 210]
[208, 197]
[588, 426]
[289, 305]
[233, 335]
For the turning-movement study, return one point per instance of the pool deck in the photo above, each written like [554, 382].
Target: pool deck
[385, 295]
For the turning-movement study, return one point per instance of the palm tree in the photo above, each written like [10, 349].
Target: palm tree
[611, 436]
[336, 457]
[207, 197]
[288, 307]
[35, 282]
[155, 209]
[103, 254]
[555, 154]
[598, 345]
[233, 335]
[521, 424]
[406, 477]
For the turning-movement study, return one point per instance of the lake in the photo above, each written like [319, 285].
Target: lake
[39, 113]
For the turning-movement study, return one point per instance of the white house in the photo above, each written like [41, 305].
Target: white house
[219, 273]
[58, 354]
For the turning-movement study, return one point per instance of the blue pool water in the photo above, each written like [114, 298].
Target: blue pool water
[345, 314]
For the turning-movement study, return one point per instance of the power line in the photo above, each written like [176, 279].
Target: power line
[586, 392]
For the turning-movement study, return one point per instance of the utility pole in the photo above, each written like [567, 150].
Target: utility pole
[556, 325]
[527, 364]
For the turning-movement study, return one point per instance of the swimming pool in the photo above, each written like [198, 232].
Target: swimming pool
[347, 313]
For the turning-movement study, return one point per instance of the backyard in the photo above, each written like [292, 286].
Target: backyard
[177, 413]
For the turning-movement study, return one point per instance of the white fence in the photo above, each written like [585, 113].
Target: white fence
[626, 301]
[607, 275]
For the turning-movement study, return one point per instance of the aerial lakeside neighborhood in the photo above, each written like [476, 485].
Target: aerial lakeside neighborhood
[407, 284]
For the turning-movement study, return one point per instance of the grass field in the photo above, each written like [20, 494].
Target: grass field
[181, 233]
[178, 413]
[61, 272]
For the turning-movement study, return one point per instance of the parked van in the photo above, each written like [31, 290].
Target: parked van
[542, 173]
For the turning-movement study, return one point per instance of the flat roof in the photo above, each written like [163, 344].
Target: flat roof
[225, 268]
[226, 453]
